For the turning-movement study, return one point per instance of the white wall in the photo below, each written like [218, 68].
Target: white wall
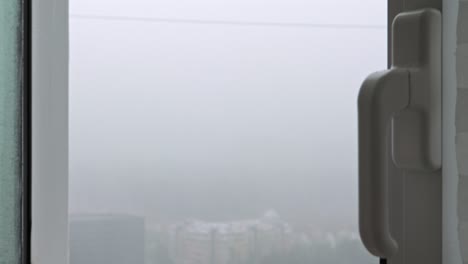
[50, 132]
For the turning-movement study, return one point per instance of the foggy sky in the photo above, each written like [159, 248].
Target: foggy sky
[177, 120]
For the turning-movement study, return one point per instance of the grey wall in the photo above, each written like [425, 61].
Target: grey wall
[10, 131]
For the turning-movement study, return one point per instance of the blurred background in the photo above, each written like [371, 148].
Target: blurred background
[218, 131]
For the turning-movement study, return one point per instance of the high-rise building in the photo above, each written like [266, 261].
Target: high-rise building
[103, 239]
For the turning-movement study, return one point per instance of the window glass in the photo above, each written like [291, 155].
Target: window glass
[10, 131]
[218, 132]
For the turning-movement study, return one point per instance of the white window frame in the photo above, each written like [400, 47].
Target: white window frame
[49, 237]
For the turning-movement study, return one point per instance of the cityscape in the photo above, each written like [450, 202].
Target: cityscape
[267, 239]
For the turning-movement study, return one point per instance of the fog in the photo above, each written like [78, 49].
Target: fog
[220, 110]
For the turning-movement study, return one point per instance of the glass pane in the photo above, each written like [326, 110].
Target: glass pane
[225, 130]
[10, 131]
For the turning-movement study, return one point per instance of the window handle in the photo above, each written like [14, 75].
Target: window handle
[402, 104]
[382, 95]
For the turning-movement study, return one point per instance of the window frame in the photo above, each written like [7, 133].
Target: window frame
[40, 26]
[394, 8]
[48, 127]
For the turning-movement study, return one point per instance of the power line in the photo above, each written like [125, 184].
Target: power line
[225, 22]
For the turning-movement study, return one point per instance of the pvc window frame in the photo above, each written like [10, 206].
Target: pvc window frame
[394, 8]
[48, 128]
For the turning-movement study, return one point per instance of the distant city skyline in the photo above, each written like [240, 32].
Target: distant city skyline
[117, 238]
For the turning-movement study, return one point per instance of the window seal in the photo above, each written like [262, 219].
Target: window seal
[26, 116]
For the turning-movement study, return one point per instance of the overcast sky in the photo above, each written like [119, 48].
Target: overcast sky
[219, 121]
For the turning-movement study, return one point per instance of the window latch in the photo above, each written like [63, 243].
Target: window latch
[399, 122]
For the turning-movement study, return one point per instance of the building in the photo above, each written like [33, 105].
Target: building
[99, 239]
[237, 242]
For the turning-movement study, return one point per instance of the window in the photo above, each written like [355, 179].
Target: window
[203, 132]
[206, 132]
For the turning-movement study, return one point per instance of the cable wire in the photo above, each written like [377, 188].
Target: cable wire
[225, 22]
